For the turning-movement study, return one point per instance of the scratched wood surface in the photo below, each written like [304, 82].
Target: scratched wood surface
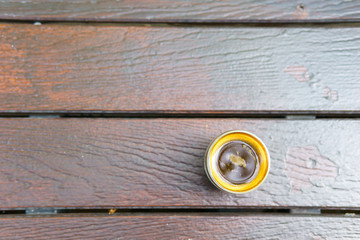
[159, 162]
[183, 10]
[181, 227]
[129, 65]
[144, 68]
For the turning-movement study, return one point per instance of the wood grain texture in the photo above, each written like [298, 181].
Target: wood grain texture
[183, 10]
[102, 163]
[119, 68]
[181, 227]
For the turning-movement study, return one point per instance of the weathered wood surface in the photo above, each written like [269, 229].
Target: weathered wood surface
[181, 227]
[159, 162]
[183, 10]
[119, 68]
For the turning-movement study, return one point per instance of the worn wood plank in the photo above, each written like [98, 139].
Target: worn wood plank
[183, 10]
[159, 162]
[181, 227]
[119, 68]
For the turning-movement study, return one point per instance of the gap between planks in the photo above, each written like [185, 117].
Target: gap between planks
[289, 115]
[190, 23]
[177, 211]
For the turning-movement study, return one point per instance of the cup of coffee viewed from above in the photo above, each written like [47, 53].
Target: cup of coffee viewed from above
[237, 162]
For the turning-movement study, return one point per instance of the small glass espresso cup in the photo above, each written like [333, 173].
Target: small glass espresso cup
[237, 162]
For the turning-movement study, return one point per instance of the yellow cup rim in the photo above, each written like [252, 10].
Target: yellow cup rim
[259, 147]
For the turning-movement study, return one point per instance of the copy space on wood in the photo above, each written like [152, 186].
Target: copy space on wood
[184, 227]
[181, 11]
[101, 163]
[144, 68]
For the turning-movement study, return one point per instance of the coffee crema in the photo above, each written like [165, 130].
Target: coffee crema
[237, 162]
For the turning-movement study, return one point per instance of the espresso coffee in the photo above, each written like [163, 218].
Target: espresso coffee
[237, 162]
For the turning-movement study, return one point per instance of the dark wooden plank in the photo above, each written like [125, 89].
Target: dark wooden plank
[181, 227]
[119, 68]
[132, 163]
[183, 10]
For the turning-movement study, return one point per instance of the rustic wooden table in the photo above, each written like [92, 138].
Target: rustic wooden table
[107, 108]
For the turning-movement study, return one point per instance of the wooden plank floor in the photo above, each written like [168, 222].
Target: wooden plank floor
[186, 227]
[181, 11]
[206, 69]
[95, 163]
[112, 104]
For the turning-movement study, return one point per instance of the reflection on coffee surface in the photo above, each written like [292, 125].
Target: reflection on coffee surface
[237, 162]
